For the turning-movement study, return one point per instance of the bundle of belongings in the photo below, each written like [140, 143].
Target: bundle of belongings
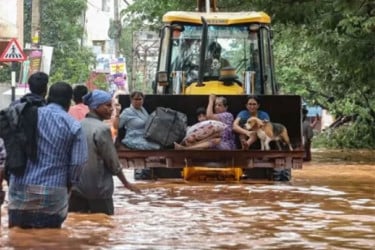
[203, 130]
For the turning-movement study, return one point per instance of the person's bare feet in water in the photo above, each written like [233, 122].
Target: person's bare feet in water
[178, 146]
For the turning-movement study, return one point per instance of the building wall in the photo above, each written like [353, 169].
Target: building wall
[11, 20]
[97, 21]
[97, 18]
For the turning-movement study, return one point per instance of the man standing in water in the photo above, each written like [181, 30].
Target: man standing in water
[93, 193]
[38, 198]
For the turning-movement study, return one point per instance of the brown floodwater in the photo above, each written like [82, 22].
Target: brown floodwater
[329, 204]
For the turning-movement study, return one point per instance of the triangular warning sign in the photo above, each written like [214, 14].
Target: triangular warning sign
[13, 52]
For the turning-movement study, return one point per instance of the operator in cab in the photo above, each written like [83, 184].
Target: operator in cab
[214, 62]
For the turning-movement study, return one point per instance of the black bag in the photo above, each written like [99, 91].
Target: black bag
[166, 126]
[14, 142]
[18, 128]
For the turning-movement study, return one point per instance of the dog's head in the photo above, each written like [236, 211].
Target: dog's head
[254, 123]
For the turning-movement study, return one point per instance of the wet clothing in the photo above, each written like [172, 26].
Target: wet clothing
[43, 189]
[33, 219]
[244, 115]
[134, 122]
[80, 204]
[96, 182]
[227, 138]
[29, 204]
[79, 111]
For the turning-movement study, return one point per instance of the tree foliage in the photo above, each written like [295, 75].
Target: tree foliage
[62, 28]
[148, 14]
[338, 67]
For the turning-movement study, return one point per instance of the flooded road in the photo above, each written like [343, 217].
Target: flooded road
[330, 204]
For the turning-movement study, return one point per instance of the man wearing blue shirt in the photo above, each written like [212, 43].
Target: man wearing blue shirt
[39, 197]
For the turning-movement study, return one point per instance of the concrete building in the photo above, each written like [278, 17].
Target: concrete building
[96, 22]
[11, 21]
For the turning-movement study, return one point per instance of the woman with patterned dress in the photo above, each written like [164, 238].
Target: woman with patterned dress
[217, 110]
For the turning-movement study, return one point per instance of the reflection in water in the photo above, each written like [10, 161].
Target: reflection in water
[328, 205]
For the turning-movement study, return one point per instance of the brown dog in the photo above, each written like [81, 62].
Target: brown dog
[267, 132]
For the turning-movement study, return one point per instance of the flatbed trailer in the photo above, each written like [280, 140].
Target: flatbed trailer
[175, 161]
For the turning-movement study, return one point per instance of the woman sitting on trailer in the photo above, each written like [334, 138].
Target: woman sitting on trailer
[214, 130]
[247, 138]
[133, 119]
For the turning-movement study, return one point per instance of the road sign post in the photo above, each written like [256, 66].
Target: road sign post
[13, 53]
[13, 81]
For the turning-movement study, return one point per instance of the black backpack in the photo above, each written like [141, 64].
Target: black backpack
[19, 132]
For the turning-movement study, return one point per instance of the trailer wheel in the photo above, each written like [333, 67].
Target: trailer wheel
[282, 174]
[142, 174]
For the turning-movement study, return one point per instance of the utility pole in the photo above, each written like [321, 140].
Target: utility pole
[118, 27]
[35, 22]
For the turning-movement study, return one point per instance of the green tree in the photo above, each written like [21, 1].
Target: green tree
[62, 28]
[330, 60]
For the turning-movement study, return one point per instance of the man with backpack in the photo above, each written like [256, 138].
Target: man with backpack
[38, 193]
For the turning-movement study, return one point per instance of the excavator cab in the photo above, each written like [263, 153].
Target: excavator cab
[219, 53]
